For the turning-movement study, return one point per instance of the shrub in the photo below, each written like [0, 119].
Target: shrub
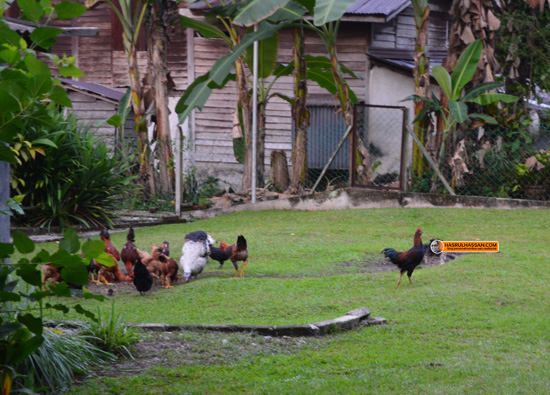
[75, 180]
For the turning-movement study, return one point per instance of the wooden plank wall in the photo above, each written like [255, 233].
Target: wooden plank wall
[400, 32]
[94, 53]
[90, 110]
[214, 142]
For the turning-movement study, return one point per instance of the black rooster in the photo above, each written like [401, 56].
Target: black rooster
[408, 261]
[142, 277]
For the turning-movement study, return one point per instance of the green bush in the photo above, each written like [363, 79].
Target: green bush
[74, 180]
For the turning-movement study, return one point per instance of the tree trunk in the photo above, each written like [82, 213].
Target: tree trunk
[260, 145]
[421, 83]
[146, 178]
[279, 170]
[159, 72]
[243, 108]
[300, 112]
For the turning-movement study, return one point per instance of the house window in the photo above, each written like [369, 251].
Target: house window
[117, 43]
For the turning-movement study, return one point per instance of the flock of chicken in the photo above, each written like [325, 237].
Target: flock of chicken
[142, 268]
[198, 246]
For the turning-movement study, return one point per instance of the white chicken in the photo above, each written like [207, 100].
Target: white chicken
[195, 252]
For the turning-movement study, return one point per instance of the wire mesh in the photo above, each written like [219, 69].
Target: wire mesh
[493, 163]
[378, 147]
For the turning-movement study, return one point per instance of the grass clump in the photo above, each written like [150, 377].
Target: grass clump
[112, 335]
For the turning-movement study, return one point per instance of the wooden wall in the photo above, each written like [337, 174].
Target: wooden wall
[214, 142]
[400, 32]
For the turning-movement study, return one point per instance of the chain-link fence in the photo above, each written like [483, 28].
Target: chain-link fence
[492, 162]
[480, 162]
[379, 146]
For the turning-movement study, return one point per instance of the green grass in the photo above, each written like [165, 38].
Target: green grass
[477, 325]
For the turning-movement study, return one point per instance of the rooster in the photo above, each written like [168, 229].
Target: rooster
[195, 251]
[130, 253]
[165, 248]
[408, 261]
[235, 252]
[110, 249]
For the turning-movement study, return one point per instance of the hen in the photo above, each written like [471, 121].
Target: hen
[153, 262]
[195, 252]
[169, 267]
[129, 253]
[217, 254]
[110, 249]
[408, 261]
[236, 252]
[51, 272]
[143, 280]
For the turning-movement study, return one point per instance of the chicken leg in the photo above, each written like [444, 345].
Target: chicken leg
[399, 281]
[242, 270]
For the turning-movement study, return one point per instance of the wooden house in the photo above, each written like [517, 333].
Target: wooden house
[376, 41]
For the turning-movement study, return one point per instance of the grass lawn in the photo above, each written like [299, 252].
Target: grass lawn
[476, 325]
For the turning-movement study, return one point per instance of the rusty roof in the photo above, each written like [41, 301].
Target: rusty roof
[386, 8]
[96, 89]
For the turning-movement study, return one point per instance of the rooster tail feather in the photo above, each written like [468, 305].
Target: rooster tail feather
[241, 243]
[390, 253]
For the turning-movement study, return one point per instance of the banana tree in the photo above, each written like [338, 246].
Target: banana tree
[158, 68]
[452, 86]
[326, 23]
[131, 14]
[238, 41]
[421, 78]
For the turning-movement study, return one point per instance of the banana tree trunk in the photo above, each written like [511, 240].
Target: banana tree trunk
[243, 108]
[157, 50]
[146, 178]
[260, 145]
[421, 83]
[300, 112]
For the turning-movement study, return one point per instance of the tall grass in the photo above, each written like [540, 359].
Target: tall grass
[63, 354]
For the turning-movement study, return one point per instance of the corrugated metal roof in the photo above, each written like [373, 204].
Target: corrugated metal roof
[387, 8]
[403, 63]
[97, 89]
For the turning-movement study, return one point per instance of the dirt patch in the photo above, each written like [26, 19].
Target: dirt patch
[376, 263]
[174, 349]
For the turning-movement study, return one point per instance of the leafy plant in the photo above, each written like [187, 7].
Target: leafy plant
[76, 181]
[62, 354]
[452, 87]
[26, 85]
[112, 335]
[21, 329]
[198, 193]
